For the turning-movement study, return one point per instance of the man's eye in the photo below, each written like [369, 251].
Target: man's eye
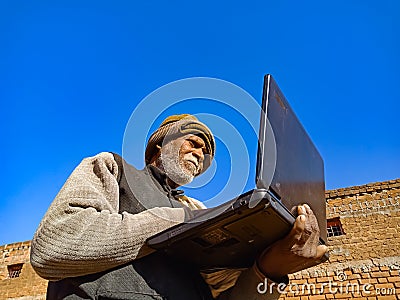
[196, 144]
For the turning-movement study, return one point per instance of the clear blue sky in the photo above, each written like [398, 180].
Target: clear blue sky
[72, 73]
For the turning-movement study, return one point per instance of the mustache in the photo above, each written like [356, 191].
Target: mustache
[193, 159]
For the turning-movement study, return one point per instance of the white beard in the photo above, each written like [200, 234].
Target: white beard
[169, 162]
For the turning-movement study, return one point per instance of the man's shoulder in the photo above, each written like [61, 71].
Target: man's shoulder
[103, 161]
[107, 156]
[102, 155]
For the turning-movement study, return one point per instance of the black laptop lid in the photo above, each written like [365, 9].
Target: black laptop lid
[288, 163]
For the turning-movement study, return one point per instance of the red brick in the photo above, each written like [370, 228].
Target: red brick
[393, 279]
[316, 297]
[343, 296]
[379, 274]
[354, 276]
[375, 269]
[323, 279]
[384, 286]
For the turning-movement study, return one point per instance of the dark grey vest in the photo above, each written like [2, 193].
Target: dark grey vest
[154, 276]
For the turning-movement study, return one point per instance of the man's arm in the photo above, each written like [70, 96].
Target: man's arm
[82, 231]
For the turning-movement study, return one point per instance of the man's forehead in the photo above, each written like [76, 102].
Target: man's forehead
[192, 137]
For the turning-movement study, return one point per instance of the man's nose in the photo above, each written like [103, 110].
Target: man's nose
[198, 152]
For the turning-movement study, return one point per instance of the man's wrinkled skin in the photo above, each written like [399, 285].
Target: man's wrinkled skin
[299, 250]
[181, 159]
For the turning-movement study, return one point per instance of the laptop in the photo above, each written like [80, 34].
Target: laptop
[233, 234]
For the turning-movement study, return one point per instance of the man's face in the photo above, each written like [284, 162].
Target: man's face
[182, 158]
[191, 154]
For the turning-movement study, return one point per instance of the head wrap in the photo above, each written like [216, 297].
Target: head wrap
[179, 125]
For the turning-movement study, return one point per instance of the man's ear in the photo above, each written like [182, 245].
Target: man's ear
[156, 155]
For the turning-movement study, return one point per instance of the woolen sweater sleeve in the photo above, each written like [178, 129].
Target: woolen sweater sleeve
[82, 231]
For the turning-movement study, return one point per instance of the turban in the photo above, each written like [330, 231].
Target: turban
[179, 125]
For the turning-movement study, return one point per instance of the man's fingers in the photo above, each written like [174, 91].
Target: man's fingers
[312, 222]
[308, 209]
[301, 210]
[295, 234]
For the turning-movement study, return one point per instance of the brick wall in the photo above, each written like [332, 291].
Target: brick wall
[23, 283]
[364, 262]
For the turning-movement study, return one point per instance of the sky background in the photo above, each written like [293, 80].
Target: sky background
[73, 72]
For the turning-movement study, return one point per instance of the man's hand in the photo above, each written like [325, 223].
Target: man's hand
[299, 250]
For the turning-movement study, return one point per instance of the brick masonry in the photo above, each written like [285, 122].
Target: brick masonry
[27, 285]
[364, 262]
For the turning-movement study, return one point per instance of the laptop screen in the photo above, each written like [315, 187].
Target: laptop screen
[288, 163]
